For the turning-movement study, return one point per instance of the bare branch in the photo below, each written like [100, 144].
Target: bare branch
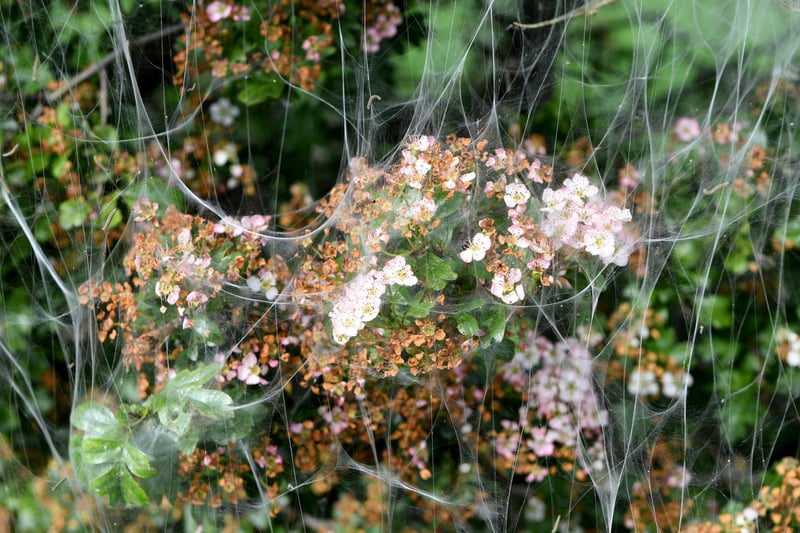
[590, 8]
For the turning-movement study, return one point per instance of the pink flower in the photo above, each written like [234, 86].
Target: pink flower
[196, 298]
[542, 442]
[687, 129]
[629, 177]
[311, 46]
[505, 287]
[250, 372]
[372, 39]
[337, 419]
[217, 11]
[242, 14]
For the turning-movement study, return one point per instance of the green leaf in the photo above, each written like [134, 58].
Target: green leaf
[467, 325]
[434, 271]
[184, 396]
[419, 309]
[119, 487]
[503, 351]
[137, 461]
[494, 322]
[193, 378]
[106, 484]
[469, 305]
[97, 450]
[175, 416]
[260, 90]
[131, 492]
[95, 419]
[211, 403]
[188, 441]
[72, 213]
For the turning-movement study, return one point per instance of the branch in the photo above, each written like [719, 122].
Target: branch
[94, 68]
[590, 8]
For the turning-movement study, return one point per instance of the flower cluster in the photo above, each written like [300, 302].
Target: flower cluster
[405, 297]
[361, 301]
[588, 226]
[775, 509]
[644, 381]
[218, 10]
[649, 373]
[382, 22]
[559, 407]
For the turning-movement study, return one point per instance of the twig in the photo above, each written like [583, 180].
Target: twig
[590, 8]
[11, 152]
[94, 68]
[102, 96]
[715, 188]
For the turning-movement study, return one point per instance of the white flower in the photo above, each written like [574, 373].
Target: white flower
[346, 319]
[599, 243]
[560, 229]
[642, 382]
[750, 514]
[424, 210]
[266, 283]
[516, 194]
[673, 386]
[397, 272]
[476, 249]
[224, 155]
[786, 335]
[223, 112]
[370, 307]
[793, 357]
[467, 178]
[580, 186]
[618, 214]
[220, 158]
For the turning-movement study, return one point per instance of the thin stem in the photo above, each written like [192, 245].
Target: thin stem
[590, 8]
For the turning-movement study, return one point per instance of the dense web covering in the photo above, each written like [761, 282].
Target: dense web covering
[314, 265]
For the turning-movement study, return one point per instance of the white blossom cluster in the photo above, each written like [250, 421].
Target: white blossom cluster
[643, 382]
[361, 301]
[582, 225]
